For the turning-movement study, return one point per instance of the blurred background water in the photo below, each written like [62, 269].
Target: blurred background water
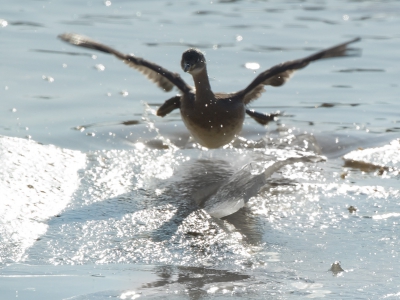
[126, 205]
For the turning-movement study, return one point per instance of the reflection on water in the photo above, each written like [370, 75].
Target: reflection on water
[199, 282]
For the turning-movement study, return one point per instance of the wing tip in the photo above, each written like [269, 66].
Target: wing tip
[354, 40]
[78, 40]
[67, 36]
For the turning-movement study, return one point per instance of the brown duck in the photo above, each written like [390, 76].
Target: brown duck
[213, 119]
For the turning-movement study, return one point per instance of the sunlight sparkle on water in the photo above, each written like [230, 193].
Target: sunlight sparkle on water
[100, 67]
[252, 65]
[48, 78]
[130, 295]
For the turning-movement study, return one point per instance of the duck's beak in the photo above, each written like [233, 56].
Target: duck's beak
[186, 67]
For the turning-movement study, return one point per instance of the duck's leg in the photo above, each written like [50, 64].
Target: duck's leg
[262, 118]
[169, 105]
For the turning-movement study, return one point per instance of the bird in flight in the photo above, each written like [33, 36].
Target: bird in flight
[213, 119]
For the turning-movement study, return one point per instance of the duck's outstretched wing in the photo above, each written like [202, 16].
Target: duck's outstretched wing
[157, 74]
[262, 118]
[279, 74]
[169, 105]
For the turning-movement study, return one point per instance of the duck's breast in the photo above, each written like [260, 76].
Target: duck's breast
[213, 124]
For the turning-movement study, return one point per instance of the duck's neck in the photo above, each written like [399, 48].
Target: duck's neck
[203, 88]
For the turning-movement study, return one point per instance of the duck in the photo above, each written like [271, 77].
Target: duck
[213, 119]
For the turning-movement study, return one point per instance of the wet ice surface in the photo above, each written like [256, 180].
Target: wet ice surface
[143, 206]
[37, 182]
[126, 205]
[374, 158]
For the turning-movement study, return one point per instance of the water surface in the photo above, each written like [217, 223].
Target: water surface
[99, 192]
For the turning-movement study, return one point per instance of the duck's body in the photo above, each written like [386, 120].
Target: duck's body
[213, 119]
[215, 122]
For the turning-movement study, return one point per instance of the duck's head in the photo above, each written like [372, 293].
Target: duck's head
[193, 61]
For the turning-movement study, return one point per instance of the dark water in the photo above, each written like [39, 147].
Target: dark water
[126, 205]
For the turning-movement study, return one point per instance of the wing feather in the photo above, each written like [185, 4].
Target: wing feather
[164, 79]
[279, 74]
